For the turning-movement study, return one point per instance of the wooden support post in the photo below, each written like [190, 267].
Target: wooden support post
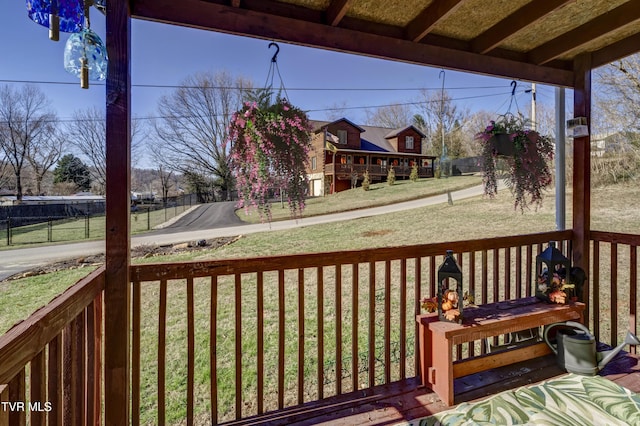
[582, 165]
[117, 294]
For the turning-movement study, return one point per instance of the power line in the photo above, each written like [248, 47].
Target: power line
[416, 103]
[309, 89]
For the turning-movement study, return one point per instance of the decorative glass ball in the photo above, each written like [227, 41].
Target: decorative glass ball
[86, 44]
[70, 12]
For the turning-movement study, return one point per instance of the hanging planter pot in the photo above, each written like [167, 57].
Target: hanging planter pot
[503, 145]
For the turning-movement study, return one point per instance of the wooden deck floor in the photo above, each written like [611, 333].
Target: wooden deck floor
[407, 400]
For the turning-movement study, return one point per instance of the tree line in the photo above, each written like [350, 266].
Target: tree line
[187, 143]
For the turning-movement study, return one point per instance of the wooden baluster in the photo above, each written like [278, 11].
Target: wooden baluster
[38, 389]
[94, 363]
[595, 291]
[355, 287]
[281, 338]
[507, 273]
[339, 316]
[238, 353]
[17, 393]
[320, 312]
[387, 321]
[67, 370]
[4, 413]
[54, 385]
[213, 345]
[260, 343]
[418, 310]
[162, 350]
[78, 368]
[633, 293]
[301, 336]
[190, 351]
[403, 318]
[135, 354]
[372, 324]
[614, 294]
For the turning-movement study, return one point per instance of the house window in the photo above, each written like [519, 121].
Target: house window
[342, 137]
[314, 163]
[408, 142]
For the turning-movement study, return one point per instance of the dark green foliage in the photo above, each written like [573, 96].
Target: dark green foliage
[71, 169]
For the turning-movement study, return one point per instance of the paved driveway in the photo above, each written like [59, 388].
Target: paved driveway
[15, 261]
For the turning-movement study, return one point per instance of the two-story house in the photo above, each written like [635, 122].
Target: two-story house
[342, 151]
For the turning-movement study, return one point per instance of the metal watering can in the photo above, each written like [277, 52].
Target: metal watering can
[576, 348]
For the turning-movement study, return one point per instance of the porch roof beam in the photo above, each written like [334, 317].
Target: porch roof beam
[422, 24]
[336, 11]
[613, 20]
[261, 24]
[515, 22]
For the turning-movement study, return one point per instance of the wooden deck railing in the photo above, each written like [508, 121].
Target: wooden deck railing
[228, 339]
[222, 340]
[376, 170]
[613, 304]
[56, 355]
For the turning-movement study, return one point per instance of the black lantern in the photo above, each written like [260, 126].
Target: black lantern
[553, 283]
[450, 290]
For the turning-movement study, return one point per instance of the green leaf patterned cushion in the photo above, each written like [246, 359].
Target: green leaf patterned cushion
[570, 400]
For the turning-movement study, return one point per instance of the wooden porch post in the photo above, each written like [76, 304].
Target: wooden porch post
[116, 295]
[582, 164]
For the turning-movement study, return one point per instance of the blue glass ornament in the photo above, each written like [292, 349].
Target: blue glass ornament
[57, 15]
[85, 56]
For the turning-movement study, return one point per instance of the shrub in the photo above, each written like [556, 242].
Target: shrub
[414, 173]
[365, 181]
[391, 176]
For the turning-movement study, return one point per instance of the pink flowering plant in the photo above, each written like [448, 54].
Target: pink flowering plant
[528, 172]
[269, 151]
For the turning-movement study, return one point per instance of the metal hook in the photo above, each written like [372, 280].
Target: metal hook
[275, 55]
[513, 87]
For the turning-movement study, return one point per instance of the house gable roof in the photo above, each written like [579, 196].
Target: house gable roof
[396, 132]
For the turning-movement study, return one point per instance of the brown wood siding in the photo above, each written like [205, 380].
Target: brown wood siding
[401, 138]
[353, 134]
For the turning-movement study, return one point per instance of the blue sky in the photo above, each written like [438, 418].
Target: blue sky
[164, 55]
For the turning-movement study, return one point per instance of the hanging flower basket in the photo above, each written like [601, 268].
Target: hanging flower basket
[527, 154]
[502, 145]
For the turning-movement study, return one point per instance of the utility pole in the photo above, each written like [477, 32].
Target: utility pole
[534, 124]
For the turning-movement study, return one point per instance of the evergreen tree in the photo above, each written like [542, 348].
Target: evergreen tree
[71, 169]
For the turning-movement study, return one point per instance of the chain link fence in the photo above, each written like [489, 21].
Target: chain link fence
[26, 230]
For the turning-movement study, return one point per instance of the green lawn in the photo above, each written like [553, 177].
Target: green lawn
[466, 219]
[379, 194]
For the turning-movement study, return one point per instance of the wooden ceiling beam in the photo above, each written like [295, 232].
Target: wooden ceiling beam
[611, 21]
[515, 22]
[616, 51]
[246, 22]
[422, 24]
[336, 11]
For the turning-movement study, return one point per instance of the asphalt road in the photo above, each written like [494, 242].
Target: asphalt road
[205, 216]
[202, 222]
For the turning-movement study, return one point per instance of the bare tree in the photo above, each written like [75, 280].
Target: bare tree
[437, 111]
[620, 95]
[44, 154]
[5, 173]
[164, 172]
[25, 121]
[88, 133]
[393, 116]
[193, 124]
[337, 110]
